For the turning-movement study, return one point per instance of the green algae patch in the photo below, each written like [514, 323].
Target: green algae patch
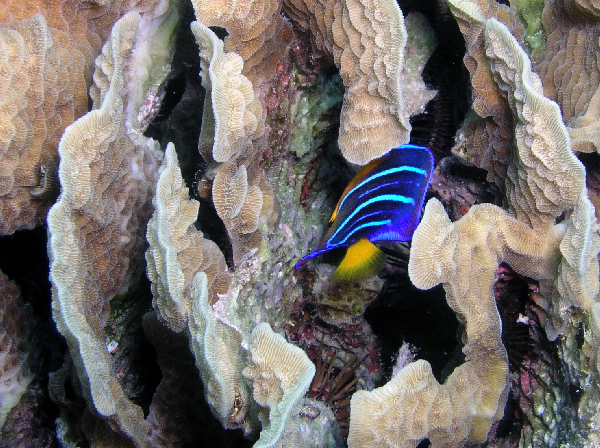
[531, 14]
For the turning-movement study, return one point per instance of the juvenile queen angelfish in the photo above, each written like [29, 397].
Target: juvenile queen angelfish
[383, 202]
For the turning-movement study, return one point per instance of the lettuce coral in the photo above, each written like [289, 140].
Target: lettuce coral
[232, 135]
[47, 60]
[97, 227]
[366, 40]
[226, 297]
[544, 180]
[569, 68]
[40, 97]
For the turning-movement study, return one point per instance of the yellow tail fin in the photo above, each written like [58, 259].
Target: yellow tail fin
[362, 260]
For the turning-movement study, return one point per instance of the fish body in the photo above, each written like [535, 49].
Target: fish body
[383, 202]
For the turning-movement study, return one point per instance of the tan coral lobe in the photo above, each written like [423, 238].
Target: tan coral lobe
[280, 374]
[366, 40]
[39, 98]
[569, 67]
[232, 135]
[464, 257]
[220, 358]
[485, 137]
[97, 227]
[15, 322]
[544, 180]
[255, 31]
[47, 52]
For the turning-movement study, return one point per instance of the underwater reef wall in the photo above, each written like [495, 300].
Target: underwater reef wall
[174, 315]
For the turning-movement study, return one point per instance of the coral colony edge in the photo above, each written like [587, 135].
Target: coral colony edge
[299, 223]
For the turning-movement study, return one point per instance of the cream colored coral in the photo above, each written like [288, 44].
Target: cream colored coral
[231, 129]
[366, 40]
[237, 203]
[177, 251]
[485, 137]
[220, 358]
[15, 321]
[254, 32]
[569, 67]
[280, 374]
[229, 99]
[47, 51]
[188, 272]
[464, 256]
[96, 230]
[545, 179]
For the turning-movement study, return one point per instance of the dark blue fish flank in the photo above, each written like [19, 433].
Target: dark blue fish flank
[382, 203]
